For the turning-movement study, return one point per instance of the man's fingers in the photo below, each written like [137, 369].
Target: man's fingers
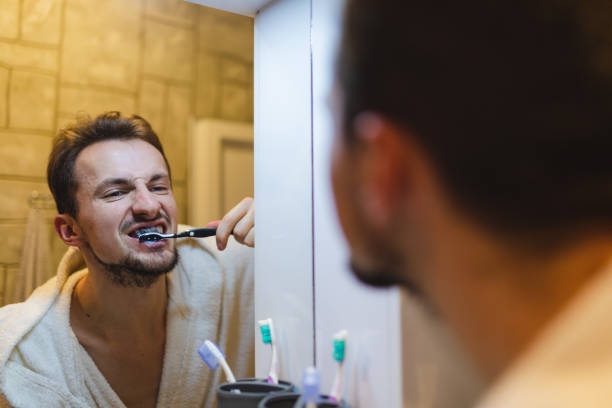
[250, 238]
[244, 226]
[213, 224]
[229, 221]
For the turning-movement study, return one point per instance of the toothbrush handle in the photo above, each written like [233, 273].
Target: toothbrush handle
[335, 394]
[273, 375]
[198, 233]
[228, 372]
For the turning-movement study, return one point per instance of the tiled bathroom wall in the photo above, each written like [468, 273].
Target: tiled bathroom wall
[167, 60]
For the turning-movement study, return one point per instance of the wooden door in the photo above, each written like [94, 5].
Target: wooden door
[220, 168]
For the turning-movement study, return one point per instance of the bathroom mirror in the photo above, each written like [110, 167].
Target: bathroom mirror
[174, 63]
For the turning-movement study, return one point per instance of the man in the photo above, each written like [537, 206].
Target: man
[472, 166]
[125, 329]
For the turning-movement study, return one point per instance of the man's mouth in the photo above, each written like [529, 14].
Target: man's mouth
[137, 232]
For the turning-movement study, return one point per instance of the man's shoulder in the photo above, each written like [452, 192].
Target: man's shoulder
[22, 387]
[234, 259]
[40, 335]
[32, 360]
[8, 312]
[35, 343]
[200, 258]
[19, 319]
[206, 273]
[14, 323]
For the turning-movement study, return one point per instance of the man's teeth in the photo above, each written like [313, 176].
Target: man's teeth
[147, 229]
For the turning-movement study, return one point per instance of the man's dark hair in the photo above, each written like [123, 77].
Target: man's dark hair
[512, 100]
[71, 140]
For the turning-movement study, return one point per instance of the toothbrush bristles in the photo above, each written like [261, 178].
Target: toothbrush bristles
[208, 356]
[340, 345]
[266, 333]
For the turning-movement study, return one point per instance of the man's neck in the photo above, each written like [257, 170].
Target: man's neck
[116, 312]
[123, 329]
[499, 300]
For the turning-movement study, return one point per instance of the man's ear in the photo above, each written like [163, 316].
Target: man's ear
[387, 168]
[68, 230]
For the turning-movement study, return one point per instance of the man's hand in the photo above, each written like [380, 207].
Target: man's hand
[239, 221]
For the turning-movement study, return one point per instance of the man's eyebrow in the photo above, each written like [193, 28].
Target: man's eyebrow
[159, 176]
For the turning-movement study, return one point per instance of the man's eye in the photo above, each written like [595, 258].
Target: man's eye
[159, 189]
[114, 194]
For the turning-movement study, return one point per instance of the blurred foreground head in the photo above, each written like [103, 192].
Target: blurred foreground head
[512, 101]
[473, 141]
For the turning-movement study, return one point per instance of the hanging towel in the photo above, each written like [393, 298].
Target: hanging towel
[35, 266]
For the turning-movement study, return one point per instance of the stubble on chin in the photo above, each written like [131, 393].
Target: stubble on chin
[388, 276]
[133, 272]
[384, 275]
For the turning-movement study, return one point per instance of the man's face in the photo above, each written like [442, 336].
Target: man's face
[123, 186]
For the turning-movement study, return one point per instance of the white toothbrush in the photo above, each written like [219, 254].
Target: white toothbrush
[339, 350]
[267, 336]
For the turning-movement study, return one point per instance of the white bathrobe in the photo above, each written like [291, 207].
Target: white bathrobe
[570, 364]
[210, 292]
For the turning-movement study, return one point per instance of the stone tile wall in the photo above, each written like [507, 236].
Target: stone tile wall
[167, 60]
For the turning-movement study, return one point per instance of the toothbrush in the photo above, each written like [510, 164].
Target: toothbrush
[339, 347]
[310, 386]
[267, 336]
[213, 357]
[196, 233]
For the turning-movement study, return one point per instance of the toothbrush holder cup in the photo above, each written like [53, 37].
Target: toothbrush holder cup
[251, 392]
[292, 400]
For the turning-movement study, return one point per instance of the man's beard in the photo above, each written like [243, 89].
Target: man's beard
[132, 272]
[384, 276]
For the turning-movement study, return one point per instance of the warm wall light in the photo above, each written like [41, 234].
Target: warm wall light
[244, 7]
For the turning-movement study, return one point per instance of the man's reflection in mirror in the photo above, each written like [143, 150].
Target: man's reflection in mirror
[120, 323]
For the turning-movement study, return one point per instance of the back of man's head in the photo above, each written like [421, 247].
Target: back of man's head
[511, 99]
[71, 140]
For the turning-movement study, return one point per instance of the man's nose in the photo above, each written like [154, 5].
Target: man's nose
[145, 203]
